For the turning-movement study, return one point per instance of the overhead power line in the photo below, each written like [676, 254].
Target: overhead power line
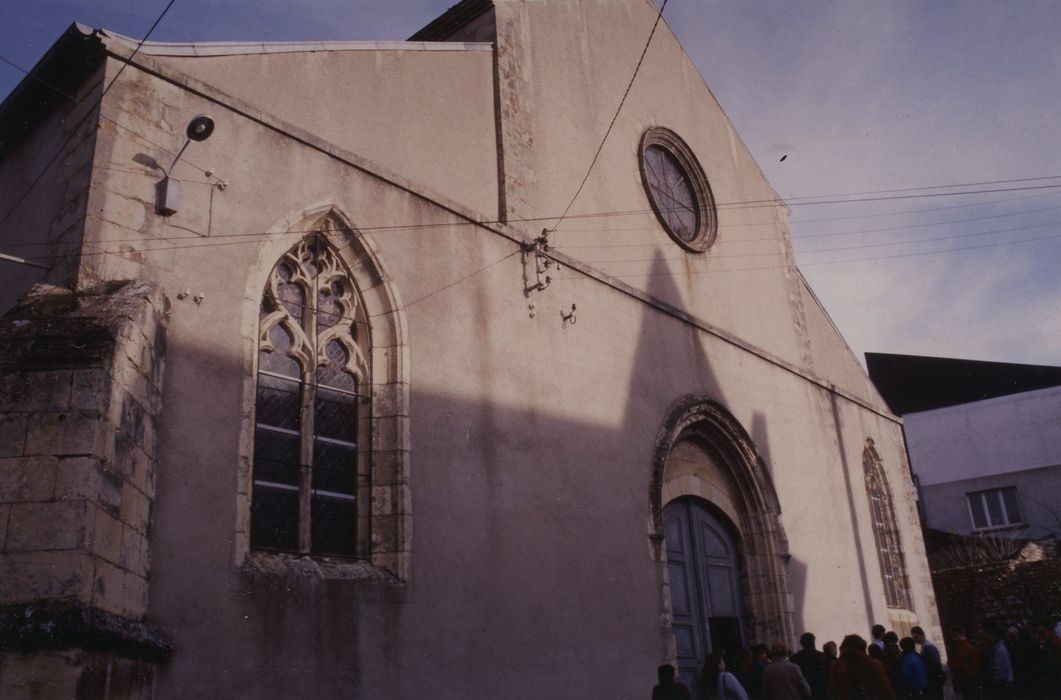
[88, 113]
[615, 116]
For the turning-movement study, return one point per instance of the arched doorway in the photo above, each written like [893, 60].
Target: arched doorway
[704, 456]
[703, 568]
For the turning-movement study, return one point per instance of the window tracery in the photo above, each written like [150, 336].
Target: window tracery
[311, 462]
[885, 530]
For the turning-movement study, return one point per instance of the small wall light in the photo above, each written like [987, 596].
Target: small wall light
[168, 191]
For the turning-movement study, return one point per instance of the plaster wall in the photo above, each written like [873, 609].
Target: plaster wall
[390, 106]
[562, 70]
[1006, 434]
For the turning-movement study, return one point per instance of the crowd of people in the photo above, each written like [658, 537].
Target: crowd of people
[996, 664]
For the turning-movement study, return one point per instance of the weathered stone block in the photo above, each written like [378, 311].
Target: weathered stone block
[47, 391]
[13, 389]
[136, 508]
[106, 538]
[143, 471]
[135, 604]
[24, 479]
[4, 511]
[384, 433]
[382, 500]
[385, 533]
[36, 576]
[86, 477]
[108, 588]
[62, 434]
[45, 526]
[386, 467]
[90, 390]
[390, 399]
[134, 552]
[12, 434]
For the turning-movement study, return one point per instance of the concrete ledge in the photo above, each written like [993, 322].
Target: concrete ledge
[56, 626]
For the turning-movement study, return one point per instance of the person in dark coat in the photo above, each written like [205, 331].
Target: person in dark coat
[933, 664]
[782, 679]
[913, 677]
[855, 676]
[964, 665]
[668, 688]
[814, 665]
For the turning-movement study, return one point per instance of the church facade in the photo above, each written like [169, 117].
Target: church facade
[374, 386]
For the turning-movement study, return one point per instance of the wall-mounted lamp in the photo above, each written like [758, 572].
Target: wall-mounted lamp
[168, 194]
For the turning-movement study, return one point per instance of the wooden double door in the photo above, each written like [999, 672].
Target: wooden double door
[704, 572]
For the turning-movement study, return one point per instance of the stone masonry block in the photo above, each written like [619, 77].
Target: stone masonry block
[108, 587]
[36, 576]
[387, 562]
[47, 392]
[90, 390]
[136, 508]
[143, 476]
[106, 538]
[390, 399]
[87, 478]
[59, 434]
[384, 433]
[46, 526]
[24, 479]
[13, 388]
[382, 500]
[135, 602]
[386, 467]
[134, 552]
[12, 434]
[385, 533]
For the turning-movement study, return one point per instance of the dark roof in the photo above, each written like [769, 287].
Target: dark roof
[54, 80]
[912, 383]
[452, 20]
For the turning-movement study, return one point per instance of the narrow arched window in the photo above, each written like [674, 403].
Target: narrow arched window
[885, 530]
[310, 469]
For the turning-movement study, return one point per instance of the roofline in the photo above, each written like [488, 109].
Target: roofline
[241, 48]
[54, 80]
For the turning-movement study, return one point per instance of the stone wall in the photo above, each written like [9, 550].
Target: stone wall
[80, 380]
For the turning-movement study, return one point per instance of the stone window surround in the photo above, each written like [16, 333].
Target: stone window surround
[886, 535]
[390, 505]
[673, 144]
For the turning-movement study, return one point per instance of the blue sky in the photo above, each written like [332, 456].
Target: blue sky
[860, 96]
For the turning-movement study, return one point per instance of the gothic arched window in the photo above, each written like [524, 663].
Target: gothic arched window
[312, 418]
[885, 530]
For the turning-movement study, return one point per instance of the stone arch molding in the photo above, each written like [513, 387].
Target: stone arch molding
[763, 544]
[386, 365]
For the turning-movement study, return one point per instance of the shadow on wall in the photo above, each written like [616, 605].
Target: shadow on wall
[531, 548]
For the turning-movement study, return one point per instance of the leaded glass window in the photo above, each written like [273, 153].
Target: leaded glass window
[885, 530]
[310, 456]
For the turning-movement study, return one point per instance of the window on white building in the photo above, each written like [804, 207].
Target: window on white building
[994, 508]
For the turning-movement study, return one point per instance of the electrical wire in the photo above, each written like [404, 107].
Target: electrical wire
[615, 116]
[875, 258]
[88, 113]
[839, 248]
